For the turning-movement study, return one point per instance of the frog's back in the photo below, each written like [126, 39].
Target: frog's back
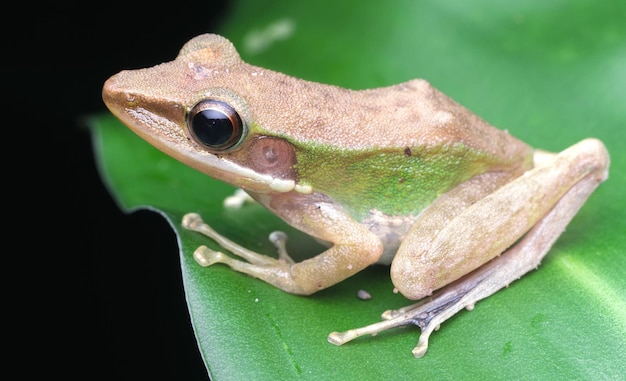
[396, 149]
[410, 114]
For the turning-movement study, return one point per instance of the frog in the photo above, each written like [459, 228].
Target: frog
[400, 175]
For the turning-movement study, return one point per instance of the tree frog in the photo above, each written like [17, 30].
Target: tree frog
[400, 175]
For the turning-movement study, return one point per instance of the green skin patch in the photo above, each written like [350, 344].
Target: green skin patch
[395, 181]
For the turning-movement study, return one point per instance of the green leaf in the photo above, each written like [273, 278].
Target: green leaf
[551, 73]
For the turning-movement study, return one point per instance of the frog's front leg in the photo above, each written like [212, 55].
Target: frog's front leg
[353, 248]
[521, 221]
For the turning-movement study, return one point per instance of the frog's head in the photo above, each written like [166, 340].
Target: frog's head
[193, 109]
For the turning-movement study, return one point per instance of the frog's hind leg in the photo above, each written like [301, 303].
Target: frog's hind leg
[565, 181]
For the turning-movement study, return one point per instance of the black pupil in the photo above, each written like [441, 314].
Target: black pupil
[212, 127]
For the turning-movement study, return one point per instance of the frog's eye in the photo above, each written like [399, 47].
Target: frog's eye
[215, 124]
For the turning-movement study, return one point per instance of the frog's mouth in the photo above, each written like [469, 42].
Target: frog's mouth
[154, 120]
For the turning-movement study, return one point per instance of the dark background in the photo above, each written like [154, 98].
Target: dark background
[102, 290]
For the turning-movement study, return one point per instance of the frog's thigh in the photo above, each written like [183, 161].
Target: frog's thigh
[431, 258]
[413, 270]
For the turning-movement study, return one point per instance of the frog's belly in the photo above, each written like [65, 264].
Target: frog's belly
[391, 230]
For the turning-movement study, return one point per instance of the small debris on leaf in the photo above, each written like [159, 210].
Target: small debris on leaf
[363, 295]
